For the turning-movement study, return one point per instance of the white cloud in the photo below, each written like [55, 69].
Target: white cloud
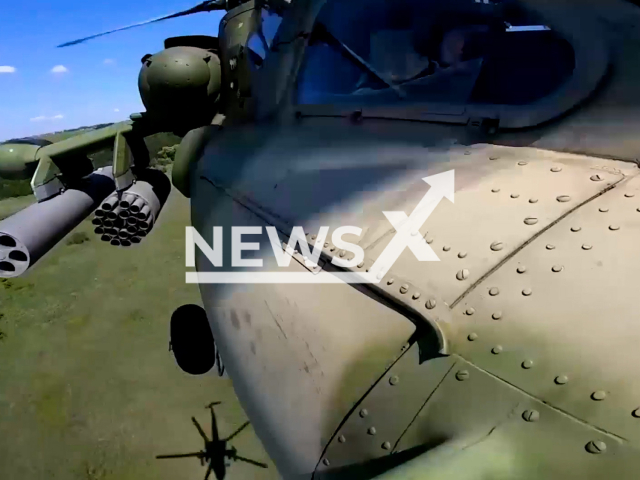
[59, 69]
[7, 69]
[42, 118]
[116, 109]
[109, 61]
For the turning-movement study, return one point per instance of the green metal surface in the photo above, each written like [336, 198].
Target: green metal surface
[122, 161]
[495, 431]
[17, 161]
[189, 152]
[513, 356]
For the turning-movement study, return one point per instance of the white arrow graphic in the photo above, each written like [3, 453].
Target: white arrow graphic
[407, 228]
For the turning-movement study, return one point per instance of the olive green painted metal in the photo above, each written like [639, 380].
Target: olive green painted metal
[378, 422]
[576, 325]
[122, 162]
[512, 356]
[94, 140]
[499, 431]
[18, 160]
[238, 94]
[296, 379]
[46, 181]
[180, 86]
[189, 152]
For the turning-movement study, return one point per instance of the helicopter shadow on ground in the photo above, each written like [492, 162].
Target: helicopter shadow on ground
[217, 454]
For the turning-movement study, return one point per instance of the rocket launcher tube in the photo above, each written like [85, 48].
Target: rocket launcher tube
[29, 234]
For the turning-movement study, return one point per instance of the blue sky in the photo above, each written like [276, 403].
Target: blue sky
[45, 89]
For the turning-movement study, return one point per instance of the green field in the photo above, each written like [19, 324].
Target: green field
[88, 388]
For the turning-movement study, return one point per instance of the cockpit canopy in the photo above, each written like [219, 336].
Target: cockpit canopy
[458, 52]
[427, 51]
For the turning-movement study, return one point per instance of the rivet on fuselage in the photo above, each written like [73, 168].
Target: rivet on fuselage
[446, 248]
[531, 415]
[563, 198]
[596, 447]
[629, 195]
[470, 311]
[372, 431]
[614, 227]
[527, 364]
[561, 379]
[394, 380]
[462, 375]
[522, 164]
[526, 292]
[550, 247]
[495, 190]
[494, 158]
[431, 303]
[428, 240]
[341, 439]
[496, 315]
[603, 209]
[556, 169]
[497, 349]
[386, 446]
[326, 462]
[515, 195]
[326, 244]
[462, 254]
[496, 246]
[636, 413]
[533, 200]
[462, 274]
[557, 268]
[596, 178]
[599, 395]
[361, 264]
[416, 295]
[404, 288]
[390, 281]
[530, 221]
[576, 229]
[586, 246]
[472, 337]
[364, 412]
[521, 269]
[493, 291]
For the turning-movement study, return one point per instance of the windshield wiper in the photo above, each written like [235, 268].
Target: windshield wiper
[322, 30]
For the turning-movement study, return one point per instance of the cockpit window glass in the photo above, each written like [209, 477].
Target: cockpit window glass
[458, 51]
[261, 41]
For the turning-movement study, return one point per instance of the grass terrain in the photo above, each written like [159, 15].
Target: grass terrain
[88, 388]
